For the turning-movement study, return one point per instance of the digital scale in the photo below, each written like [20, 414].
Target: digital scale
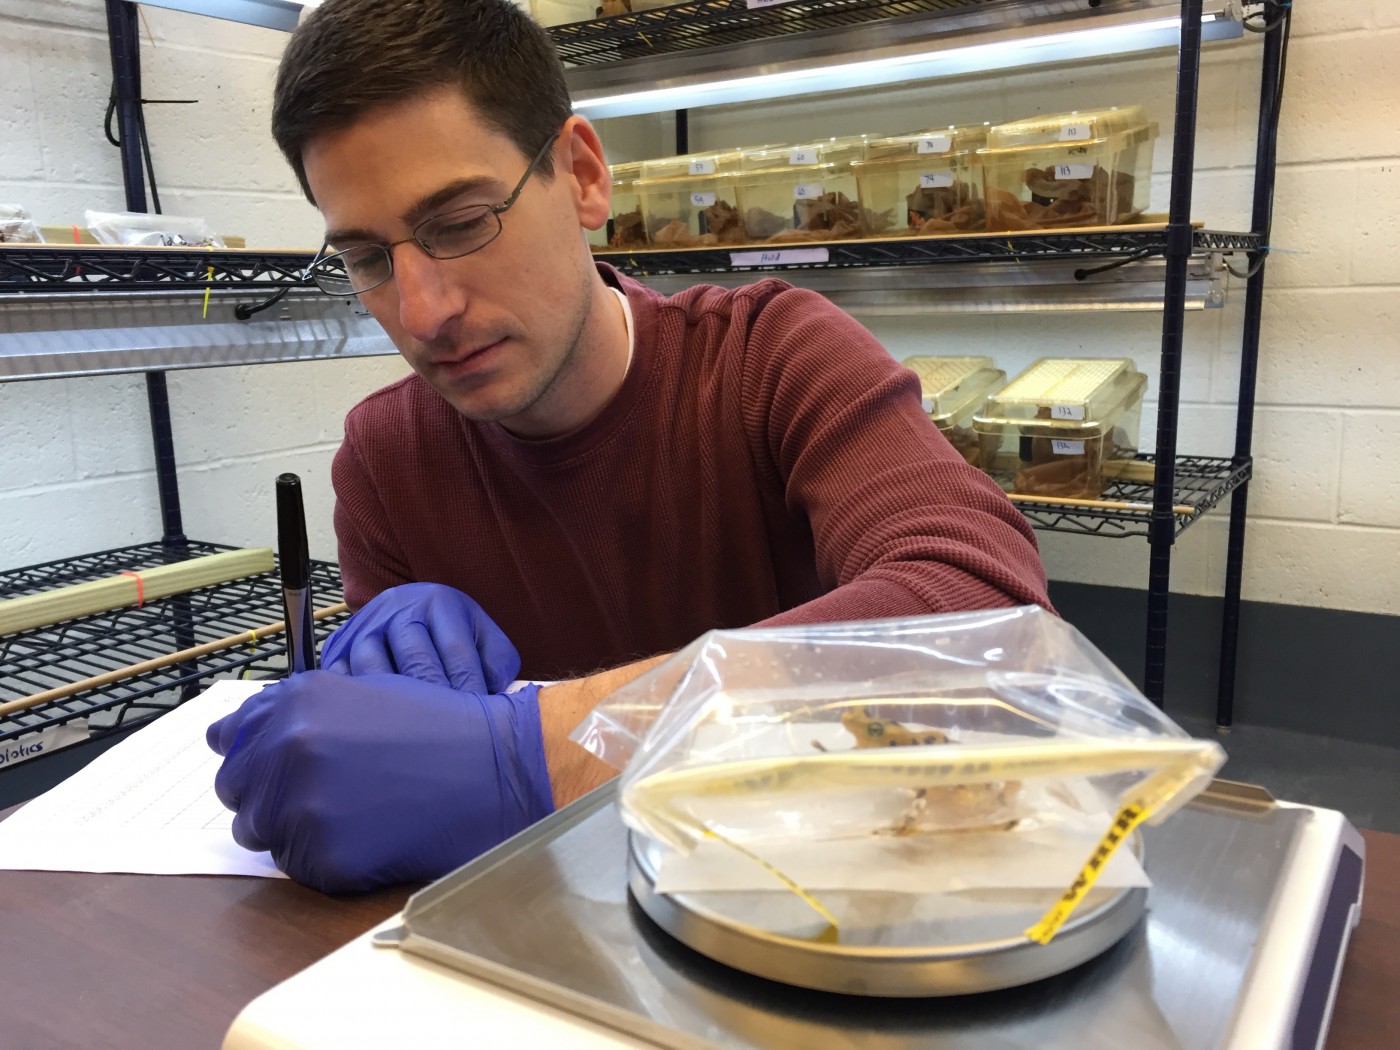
[556, 940]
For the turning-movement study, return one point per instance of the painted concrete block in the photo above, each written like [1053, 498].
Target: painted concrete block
[36, 443]
[1374, 259]
[1323, 566]
[1314, 215]
[1331, 347]
[1370, 473]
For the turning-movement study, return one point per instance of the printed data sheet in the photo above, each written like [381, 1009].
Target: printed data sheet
[146, 805]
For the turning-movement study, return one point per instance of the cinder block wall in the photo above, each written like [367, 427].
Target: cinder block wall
[76, 469]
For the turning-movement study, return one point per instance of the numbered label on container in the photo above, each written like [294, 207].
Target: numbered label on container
[1066, 411]
[936, 180]
[807, 191]
[804, 156]
[935, 144]
[781, 257]
[1074, 171]
[702, 200]
[702, 167]
[1067, 448]
[1076, 133]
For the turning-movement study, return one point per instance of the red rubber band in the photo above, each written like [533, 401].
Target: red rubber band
[140, 588]
[77, 237]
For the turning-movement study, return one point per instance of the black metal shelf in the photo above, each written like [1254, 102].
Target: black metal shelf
[48, 268]
[43, 268]
[719, 23]
[1201, 482]
[44, 658]
[1107, 243]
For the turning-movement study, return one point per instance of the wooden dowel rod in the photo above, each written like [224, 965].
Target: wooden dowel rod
[1093, 504]
[108, 677]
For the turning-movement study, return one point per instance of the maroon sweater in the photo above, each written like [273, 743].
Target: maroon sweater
[764, 461]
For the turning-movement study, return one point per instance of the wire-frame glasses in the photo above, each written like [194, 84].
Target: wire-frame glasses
[447, 236]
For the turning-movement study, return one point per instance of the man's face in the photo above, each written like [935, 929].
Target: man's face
[497, 333]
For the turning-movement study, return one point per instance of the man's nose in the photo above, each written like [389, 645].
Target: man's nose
[428, 296]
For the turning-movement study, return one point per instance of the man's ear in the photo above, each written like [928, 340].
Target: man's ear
[584, 164]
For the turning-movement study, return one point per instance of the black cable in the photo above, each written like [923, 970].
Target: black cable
[145, 137]
[1255, 265]
[1284, 23]
[107, 121]
[1264, 25]
[1137, 256]
[146, 152]
[243, 311]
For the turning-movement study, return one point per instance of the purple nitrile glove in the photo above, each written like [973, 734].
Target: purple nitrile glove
[427, 631]
[366, 781]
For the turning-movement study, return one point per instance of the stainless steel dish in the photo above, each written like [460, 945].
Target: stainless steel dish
[886, 947]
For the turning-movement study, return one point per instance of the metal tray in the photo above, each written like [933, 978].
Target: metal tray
[892, 952]
[549, 915]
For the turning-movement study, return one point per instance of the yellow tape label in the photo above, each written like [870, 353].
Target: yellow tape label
[1129, 817]
[829, 936]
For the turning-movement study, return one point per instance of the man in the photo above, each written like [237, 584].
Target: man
[606, 472]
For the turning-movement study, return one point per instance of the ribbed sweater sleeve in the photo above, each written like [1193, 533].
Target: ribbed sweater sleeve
[370, 554]
[902, 525]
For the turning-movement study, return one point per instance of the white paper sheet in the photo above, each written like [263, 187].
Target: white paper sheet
[147, 805]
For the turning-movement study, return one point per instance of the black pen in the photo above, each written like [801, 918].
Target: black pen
[295, 564]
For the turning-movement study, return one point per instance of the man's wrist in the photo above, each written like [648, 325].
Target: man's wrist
[573, 772]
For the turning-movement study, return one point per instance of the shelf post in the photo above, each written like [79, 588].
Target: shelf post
[125, 44]
[1162, 533]
[1265, 158]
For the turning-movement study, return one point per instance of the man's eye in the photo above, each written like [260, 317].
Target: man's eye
[461, 224]
[366, 263]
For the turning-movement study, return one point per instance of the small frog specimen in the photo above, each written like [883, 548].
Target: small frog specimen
[960, 807]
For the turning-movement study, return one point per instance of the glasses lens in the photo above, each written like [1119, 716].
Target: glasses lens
[459, 232]
[354, 270]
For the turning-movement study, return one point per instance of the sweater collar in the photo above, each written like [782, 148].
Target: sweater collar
[643, 303]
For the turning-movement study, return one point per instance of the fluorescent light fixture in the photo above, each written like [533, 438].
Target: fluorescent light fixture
[1033, 286]
[270, 14]
[1018, 48]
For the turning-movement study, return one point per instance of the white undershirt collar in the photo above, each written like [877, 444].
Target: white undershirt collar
[627, 321]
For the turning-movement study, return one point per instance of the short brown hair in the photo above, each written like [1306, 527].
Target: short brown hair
[349, 56]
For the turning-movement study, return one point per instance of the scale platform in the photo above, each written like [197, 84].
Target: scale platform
[541, 943]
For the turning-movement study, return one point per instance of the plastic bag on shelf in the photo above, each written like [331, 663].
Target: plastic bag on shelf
[965, 752]
[16, 227]
[139, 229]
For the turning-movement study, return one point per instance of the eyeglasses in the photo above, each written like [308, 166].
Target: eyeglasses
[448, 236]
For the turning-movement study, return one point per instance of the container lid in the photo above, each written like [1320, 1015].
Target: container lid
[1089, 127]
[952, 384]
[823, 152]
[1070, 393]
[690, 166]
[631, 171]
[945, 143]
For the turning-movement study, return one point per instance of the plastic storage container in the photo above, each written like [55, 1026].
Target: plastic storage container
[955, 389]
[692, 201]
[1091, 168]
[627, 228]
[926, 183]
[561, 12]
[804, 193]
[1058, 423]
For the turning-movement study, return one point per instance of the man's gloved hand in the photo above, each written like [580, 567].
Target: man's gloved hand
[354, 783]
[427, 631]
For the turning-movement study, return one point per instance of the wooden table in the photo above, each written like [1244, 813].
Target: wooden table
[155, 962]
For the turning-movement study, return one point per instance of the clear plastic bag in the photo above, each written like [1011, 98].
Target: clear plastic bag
[16, 227]
[884, 755]
[139, 229]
